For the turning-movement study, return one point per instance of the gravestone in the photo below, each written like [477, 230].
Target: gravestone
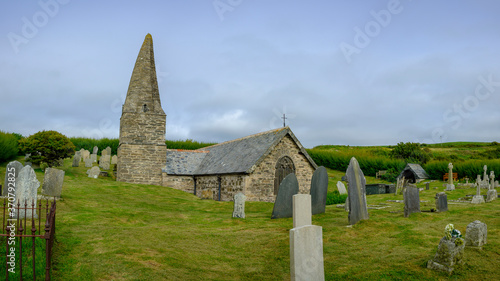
[491, 195]
[441, 202]
[108, 150]
[476, 234]
[411, 199]
[319, 189]
[448, 255]
[94, 172]
[93, 157]
[306, 242]
[95, 150]
[76, 160]
[478, 198]
[104, 153]
[104, 161]
[27, 185]
[239, 205]
[88, 163]
[85, 154]
[283, 205]
[114, 160]
[358, 209]
[427, 186]
[53, 182]
[302, 210]
[341, 187]
[450, 186]
[492, 180]
[11, 172]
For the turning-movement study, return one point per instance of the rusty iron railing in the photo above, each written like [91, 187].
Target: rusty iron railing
[12, 219]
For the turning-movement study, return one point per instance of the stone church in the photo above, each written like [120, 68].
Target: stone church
[253, 165]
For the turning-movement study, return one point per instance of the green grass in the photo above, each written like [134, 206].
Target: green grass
[108, 230]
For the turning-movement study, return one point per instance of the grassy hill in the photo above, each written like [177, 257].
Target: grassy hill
[108, 230]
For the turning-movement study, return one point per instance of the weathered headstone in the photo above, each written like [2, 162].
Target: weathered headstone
[302, 210]
[114, 160]
[341, 187]
[491, 195]
[478, 198]
[104, 152]
[94, 172]
[450, 186]
[76, 160]
[53, 182]
[492, 180]
[448, 255]
[476, 234]
[411, 199]
[108, 150]
[427, 186]
[104, 161]
[319, 189]
[306, 242]
[11, 172]
[239, 205]
[283, 205]
[88, 163]
[358, 209]
[85, 154]
[27, 185]
[95, 150]
[93, 157]
[441, 202]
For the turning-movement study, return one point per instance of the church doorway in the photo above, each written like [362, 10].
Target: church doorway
[284, 166]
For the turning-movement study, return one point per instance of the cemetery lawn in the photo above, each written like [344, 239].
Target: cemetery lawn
[108, 230]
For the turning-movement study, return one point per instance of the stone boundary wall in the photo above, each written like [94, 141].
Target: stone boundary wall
[184, 183]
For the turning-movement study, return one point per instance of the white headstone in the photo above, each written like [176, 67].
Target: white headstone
[27, 185]
[302, 210]
[306, 253]
[341, 187]
[239, 205]
[94, 172]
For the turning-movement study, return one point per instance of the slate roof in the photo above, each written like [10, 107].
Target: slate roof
[417, 170]
[236, 156]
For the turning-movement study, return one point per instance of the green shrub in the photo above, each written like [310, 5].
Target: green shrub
[8, 146]
[48, 147]
[335, 198]
[411, 153]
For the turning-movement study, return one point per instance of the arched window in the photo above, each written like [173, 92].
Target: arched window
[284, 166]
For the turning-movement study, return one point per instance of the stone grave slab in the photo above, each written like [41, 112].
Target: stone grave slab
[411, 199]
[239, 205]
[283, 205]
[319, 189]
[358, 209]
[11, 171]
[52, 182]
[26, 188]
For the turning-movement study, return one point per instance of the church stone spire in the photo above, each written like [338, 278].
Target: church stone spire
[142, 94]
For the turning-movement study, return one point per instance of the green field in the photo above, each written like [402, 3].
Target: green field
[108, 230]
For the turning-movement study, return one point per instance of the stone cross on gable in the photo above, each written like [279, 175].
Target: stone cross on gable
[284, 118]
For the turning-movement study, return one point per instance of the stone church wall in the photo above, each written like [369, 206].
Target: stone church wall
[141, 163]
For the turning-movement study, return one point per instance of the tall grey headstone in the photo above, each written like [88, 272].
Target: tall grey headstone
[358, 209]
[53, 182]
[76, 160]
[319, 189]
[427, 186]
[239, 205]
[94, 172]
[441, 202]
[302, 214]
[341, 187]
[411, 199]
[95, 150]
[283, 204]
[114, 160]
[88, 163]
[11, 172]
[26, 188]
[476, 234]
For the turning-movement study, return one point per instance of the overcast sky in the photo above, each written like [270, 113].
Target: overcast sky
[343, 72]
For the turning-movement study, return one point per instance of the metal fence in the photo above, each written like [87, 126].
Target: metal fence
[16, 221]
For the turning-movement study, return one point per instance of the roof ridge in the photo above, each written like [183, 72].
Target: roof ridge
[251, 136]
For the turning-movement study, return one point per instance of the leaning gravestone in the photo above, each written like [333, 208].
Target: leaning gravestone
[53, 182]
[114, 160]
[11, 172]
[441, 202]
[306, 242]
[319, 189]
[476, 234]
[411, 199]
[76, 160]
[88, 163]
[94, 172]
[283, 205]
[239, 205]
[27, 185]
[358, 209]
[341, 187]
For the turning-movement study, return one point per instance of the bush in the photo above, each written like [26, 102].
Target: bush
[48, 147]
[8, 146]
[335, 198]
[411, 152]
